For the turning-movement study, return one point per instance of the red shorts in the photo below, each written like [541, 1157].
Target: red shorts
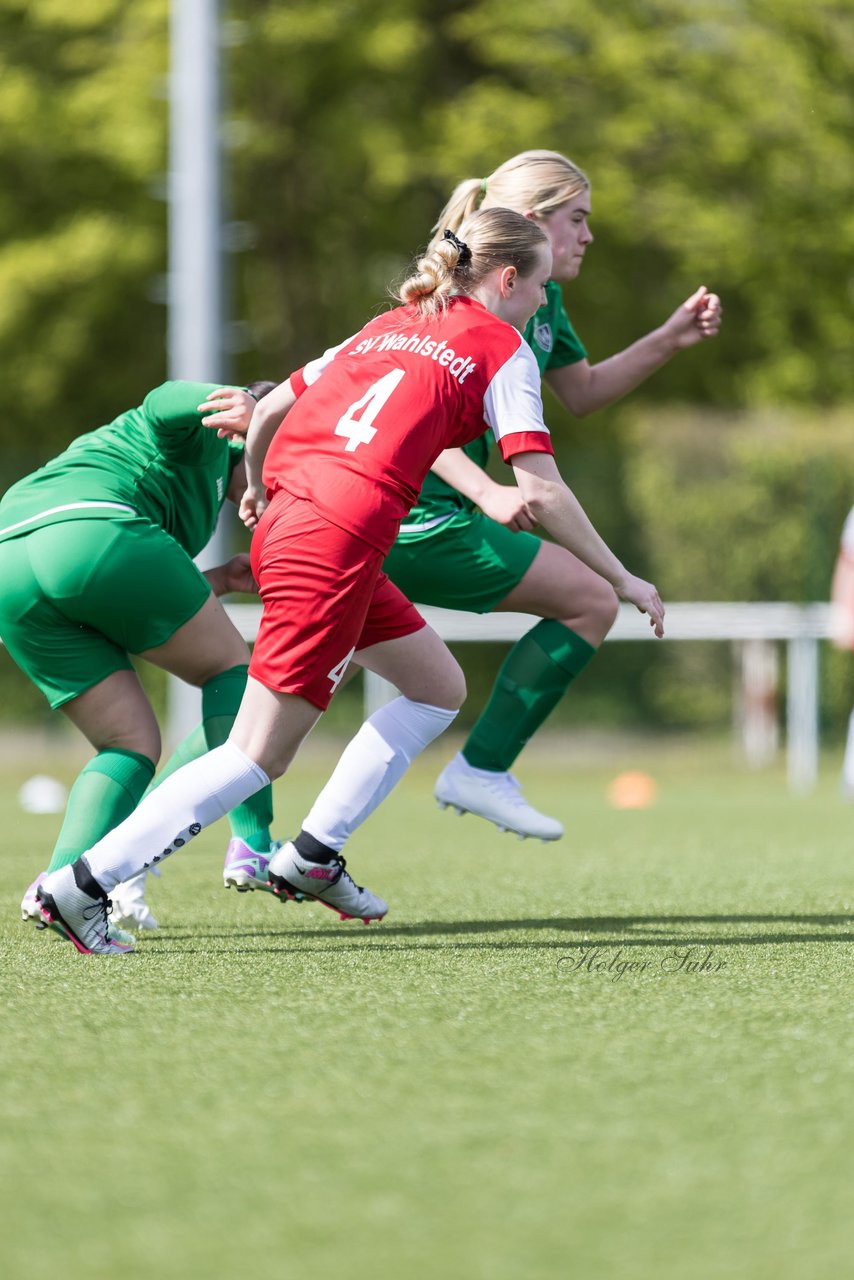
[324, 596]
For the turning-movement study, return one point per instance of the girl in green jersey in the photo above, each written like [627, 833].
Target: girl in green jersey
[469, 543]
[96, 560]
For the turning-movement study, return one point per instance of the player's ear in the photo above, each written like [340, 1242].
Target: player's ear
[507, 280]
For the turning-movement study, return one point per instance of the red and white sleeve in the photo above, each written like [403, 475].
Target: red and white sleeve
[513, 406]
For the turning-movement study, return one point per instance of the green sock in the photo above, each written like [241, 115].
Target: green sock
[220, 701]
[104, 794]
[193, 746]
[531, 682]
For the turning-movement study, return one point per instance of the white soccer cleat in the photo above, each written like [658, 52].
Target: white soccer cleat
[31, 912]
[494, 796]
[327, 882]
[30, 908]
[72, 901]
[129, 906]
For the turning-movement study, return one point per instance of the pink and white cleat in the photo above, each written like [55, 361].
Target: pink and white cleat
[291, 874]
[72, 901]
[246, 870]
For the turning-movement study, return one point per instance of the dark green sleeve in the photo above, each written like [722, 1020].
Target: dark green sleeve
[172, 413]
[568, 348]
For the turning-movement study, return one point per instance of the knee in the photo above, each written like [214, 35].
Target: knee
[225, 662]
[594, 614]
[453, 691]
[604, 607]
[443, 687]
[142, 739]
[135, 730]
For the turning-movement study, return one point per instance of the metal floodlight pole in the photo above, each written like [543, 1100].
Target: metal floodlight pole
[195, 291]
[195, 256]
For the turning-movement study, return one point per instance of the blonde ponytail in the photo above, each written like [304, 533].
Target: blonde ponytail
[535, 182]
[456, 264]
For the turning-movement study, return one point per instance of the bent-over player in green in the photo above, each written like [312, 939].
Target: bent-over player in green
[96, 558]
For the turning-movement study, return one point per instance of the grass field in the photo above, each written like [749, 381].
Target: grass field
[464, 1090]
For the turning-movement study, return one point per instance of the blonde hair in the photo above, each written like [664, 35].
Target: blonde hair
[455, 264]
[534, 181]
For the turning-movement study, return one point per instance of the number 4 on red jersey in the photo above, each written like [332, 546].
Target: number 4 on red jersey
[359, 429]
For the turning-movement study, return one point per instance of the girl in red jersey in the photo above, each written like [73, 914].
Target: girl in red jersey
[327, 489]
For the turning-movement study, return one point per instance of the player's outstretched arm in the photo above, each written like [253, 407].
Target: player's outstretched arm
[266, 419]
[501, 502]
[583, 388]
[560, 513]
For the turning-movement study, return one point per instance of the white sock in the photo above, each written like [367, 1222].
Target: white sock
[372, 764]
[191, 798]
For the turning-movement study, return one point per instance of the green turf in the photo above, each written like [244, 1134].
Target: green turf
[262, 1091]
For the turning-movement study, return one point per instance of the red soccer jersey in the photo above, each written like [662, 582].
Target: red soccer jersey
[374, 413]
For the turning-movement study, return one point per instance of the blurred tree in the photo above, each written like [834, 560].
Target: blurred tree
[82, 240]
[329, 100]
[716, 134]
[717, 137]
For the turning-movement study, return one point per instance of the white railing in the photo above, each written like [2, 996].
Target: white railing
[755, 629]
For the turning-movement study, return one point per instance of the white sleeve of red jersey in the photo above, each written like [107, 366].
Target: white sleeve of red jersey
[310, 372]
[513, 406]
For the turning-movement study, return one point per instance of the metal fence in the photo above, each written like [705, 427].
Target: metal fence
[756, 631]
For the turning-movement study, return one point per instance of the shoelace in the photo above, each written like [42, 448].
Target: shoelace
[508, 786]
[99, 911]
[345, 875]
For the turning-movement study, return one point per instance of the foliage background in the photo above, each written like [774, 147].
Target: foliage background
[717, 137]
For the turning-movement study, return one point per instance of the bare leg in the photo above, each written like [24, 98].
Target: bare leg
[205, 645]
[116, 714]
[270, 726]
[116, 717]
[208, 652]
[420, 665]
[559, 585]
[432, 687]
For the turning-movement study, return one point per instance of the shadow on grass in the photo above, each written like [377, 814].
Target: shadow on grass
[603, 931]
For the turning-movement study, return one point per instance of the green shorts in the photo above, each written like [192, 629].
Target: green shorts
[79, 597]
[470, 565]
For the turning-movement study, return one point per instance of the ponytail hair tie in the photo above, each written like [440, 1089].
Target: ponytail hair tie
[461, 247]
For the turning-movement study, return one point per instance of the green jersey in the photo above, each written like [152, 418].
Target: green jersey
[554, 342]
[156, 461]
